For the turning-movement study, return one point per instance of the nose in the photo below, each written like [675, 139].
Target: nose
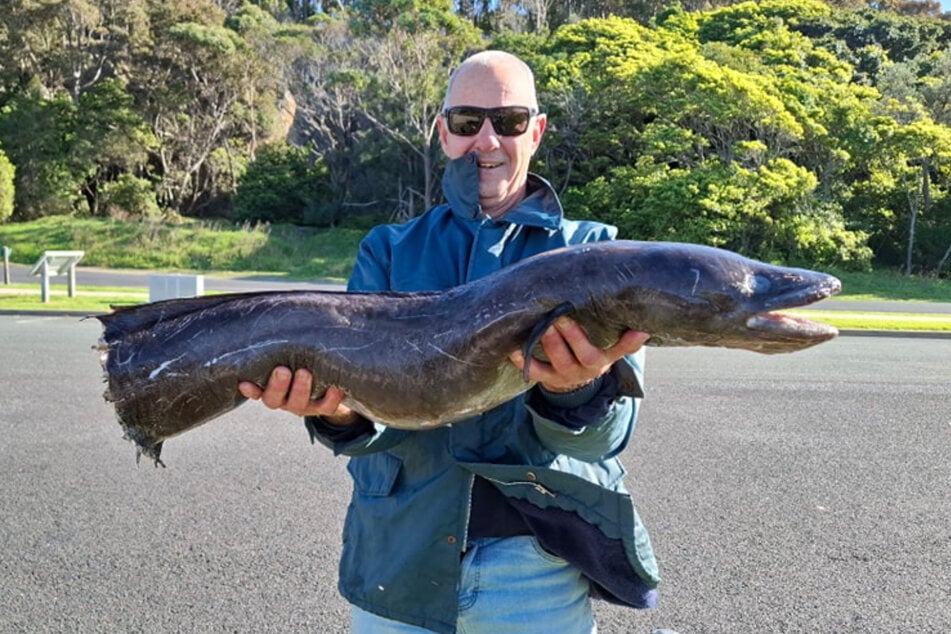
[486, 139]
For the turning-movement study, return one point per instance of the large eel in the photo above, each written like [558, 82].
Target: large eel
[419, 360]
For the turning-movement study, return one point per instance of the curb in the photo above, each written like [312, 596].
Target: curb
[50, 313]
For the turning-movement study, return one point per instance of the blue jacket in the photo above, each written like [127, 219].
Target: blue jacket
[553, 456]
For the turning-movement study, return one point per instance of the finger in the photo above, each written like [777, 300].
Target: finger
[582, 350]
[537, 370]
[275, 393]
[330, 401]
[560, 356]
[629, 343]
[247, 389]
[298, 397]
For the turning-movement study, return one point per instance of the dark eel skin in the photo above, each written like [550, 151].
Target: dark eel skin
[419, 360]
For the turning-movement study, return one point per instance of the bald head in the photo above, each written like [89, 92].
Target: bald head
[502, 74]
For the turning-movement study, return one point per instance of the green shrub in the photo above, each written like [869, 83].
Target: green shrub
[130, 197]
[282, 185]
[6, 187]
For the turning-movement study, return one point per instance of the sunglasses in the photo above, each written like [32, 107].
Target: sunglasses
[506, 121]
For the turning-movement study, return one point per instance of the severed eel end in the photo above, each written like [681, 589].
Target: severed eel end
[144, 446]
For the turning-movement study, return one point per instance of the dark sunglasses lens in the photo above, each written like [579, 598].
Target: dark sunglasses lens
[510, 121]
[465, 121]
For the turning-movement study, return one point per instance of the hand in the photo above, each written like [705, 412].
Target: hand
[573, 361]
[290, 392]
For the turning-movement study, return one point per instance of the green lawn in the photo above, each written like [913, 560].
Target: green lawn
[844, 320]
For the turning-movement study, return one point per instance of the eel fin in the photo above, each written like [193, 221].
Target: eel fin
[539, 330]
[130, 319]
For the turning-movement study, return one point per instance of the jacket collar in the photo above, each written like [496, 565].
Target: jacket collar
[460, 184]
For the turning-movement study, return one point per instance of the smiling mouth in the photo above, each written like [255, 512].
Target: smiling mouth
[488, 165]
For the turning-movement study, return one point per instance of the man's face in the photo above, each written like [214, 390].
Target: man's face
[503, 160]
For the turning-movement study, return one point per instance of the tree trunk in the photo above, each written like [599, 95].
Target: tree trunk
[915, 204]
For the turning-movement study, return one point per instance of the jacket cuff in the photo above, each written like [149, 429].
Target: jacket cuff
[577, 410]
[335, 436]
[574, 398]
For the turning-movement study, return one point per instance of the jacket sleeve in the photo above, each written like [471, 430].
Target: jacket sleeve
[600, 425]
[362, 438]
[370, 273]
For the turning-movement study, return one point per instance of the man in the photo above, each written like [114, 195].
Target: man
[506, 522]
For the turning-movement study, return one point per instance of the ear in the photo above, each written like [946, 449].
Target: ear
[538, 130]
[443, 132]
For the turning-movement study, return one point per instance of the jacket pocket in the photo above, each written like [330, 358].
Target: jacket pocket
[375, 475]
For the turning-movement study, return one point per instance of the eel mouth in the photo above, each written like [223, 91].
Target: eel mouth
[777, 326]
[785, 327]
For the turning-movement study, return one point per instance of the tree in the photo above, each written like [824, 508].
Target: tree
[36, 136]
[326, 78]
[7, 172]
[282, 185]
[197, 88]
[71, 45]
[110, 140]
[411, 48]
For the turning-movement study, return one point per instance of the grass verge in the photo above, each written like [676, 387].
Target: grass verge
[192, 245]
[844, 320]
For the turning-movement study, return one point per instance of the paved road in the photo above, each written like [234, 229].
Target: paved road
[795, 493]
[20, 274]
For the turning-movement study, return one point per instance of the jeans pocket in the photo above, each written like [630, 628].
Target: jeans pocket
[544, 554]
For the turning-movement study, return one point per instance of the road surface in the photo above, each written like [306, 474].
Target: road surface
[791, 493]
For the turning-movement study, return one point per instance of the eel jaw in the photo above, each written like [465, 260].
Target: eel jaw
[780, 332]
[782, 327]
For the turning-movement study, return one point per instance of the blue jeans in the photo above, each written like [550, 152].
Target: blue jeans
[509, 585]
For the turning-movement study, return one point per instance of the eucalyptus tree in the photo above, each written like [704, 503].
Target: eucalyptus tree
[199, 87]
[408, 49]
[324, 80]
[71, 45]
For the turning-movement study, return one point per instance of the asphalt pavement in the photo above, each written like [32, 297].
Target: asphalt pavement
[789, 493]
[797, 493]
[91, 276]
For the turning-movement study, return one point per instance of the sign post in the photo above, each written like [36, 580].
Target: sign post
[6, 264]
[57, 263]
